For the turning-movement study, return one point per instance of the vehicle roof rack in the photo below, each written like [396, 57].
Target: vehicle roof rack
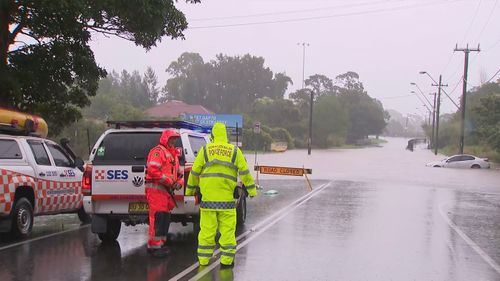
[164, 124]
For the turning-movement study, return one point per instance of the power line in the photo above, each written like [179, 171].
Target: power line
[396, 97]
[472, 21]
[326, 17]
[494, 75]
[370, 3]
[487, 21]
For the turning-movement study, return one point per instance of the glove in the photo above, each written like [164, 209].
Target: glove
[176, 186]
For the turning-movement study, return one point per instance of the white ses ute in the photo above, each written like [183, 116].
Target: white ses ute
[113, 180]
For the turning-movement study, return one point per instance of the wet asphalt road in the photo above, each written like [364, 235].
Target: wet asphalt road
[374, 214]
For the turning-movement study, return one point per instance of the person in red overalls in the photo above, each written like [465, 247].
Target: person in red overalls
[162, 178]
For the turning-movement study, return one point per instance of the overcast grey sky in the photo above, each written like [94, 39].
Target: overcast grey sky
[386, 42]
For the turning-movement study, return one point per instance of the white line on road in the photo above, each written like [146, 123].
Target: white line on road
[258, 230]
[469, 241]
[41, 237]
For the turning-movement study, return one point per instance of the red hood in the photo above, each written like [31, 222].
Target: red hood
[165, 136]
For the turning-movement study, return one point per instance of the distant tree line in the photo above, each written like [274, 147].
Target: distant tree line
[482, 123]
[343, 110]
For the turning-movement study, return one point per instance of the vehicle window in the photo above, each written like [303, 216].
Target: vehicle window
[467, 158]
[9, 149]
[454, 158]
[196, 143]
[126, 148]
[59, 156]
[41, 156]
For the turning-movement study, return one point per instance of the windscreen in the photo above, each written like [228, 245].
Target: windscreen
[126, 148]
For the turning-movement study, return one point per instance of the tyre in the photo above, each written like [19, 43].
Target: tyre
[22, 218]
[83, 216]
[113, 227]
[476, 166]
[241, 211]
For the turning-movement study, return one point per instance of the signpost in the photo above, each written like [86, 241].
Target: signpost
[284, 171]
[256, 130]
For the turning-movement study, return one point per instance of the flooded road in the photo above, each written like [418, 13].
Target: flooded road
[374, 214]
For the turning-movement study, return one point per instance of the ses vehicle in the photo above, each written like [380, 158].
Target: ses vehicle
[462, 161]
[113, 180]
[37, 176]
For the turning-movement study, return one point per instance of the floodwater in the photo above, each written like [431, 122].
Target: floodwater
[374, 214]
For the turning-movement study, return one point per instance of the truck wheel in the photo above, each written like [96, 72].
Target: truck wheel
[83, 216]
[22, 218]
[241, 211]
[113, 227]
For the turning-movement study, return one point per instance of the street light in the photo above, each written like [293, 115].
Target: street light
[304, 45]
[309, 140]
[420, 90]
[434, 80]
[423, 103]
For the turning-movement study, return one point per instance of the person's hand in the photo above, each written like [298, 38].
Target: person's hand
[177, 186]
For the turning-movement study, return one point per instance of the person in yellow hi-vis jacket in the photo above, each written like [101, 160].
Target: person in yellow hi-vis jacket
[215, 171]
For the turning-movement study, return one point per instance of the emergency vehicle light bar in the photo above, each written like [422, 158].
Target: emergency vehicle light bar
[167, 124]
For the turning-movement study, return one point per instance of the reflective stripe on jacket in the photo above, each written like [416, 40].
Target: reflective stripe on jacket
[216, 170]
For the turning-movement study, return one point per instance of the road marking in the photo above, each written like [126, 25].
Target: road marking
[41, 237]
[469, 241]
[273, 219]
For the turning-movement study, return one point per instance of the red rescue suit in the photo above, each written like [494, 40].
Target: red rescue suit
[162, 177]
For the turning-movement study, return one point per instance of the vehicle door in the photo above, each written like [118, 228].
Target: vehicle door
[119, 163]
[66, 193]
[454, 161]
[467, 161]
[45, 176]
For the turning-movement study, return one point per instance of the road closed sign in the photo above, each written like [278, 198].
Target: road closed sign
[285, 171]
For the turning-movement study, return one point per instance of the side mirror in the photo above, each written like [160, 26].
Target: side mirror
[79, 163]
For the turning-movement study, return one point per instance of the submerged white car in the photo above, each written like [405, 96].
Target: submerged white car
[462, 161]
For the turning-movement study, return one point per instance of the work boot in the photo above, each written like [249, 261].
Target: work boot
[227, 265]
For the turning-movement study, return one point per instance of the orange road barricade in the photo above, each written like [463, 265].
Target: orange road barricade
[284, 171]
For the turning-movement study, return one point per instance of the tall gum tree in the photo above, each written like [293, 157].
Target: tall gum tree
[46, 64]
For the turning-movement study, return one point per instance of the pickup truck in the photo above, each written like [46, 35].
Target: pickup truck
[37, 177]
[113, 180]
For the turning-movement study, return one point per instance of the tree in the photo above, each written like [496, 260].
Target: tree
[489, 120]
[46, 64]
[151, 81]
[330, 122]
[320, 84]
[226, 84]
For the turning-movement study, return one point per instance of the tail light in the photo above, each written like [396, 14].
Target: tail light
[486, 159]
[87, 180]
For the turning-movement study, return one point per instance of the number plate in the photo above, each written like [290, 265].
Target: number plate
[138, 207]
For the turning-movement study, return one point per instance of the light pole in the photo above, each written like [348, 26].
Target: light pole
[423, 103]
[438, 105]
[309, 140]
[304, 45]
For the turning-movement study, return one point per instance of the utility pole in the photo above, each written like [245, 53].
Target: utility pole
[466, 51]
[436, 141]
[310, 123]
[431, 143]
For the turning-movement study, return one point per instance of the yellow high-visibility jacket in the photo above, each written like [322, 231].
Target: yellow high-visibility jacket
[215, 171]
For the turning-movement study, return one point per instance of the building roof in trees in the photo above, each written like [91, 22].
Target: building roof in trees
[174, 108]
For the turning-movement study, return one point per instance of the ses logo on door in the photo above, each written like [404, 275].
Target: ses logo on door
[111, 175]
